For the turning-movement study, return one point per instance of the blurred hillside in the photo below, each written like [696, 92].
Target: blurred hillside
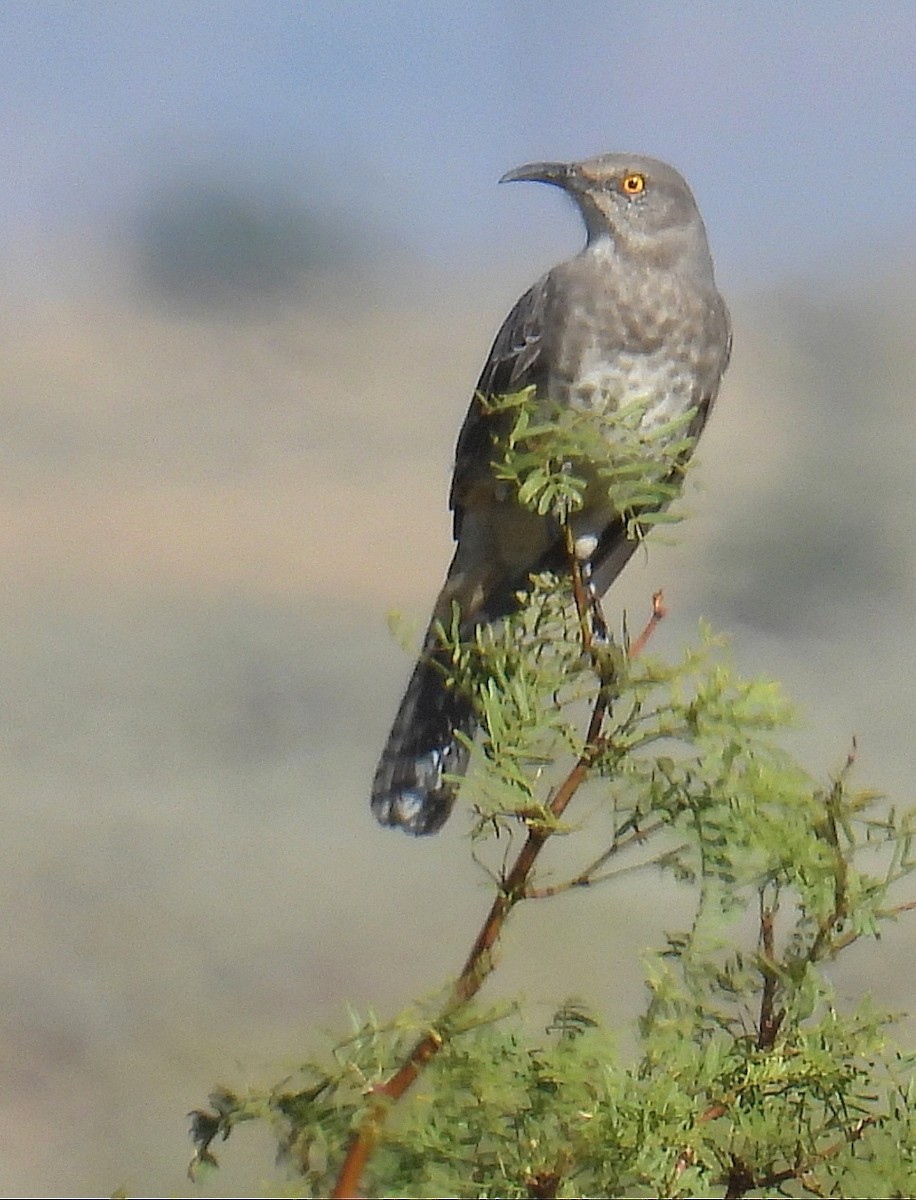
[213, 488]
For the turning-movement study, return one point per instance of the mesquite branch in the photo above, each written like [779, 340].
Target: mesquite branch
[514, 888]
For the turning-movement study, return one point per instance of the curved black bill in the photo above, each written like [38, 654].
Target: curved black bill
[541, 172]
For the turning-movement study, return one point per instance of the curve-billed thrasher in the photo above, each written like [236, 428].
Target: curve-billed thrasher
[635, 316]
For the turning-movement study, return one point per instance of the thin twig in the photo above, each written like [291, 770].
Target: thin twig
[770, 1020]
[659, 612]
[742, 1180]
[823, 943]
[590, 876]
[881, 914]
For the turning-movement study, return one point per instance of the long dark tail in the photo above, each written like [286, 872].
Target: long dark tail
[408, 790]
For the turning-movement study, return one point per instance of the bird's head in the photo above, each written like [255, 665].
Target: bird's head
[641, 204]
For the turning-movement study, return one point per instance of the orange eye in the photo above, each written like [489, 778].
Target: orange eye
[633, 184]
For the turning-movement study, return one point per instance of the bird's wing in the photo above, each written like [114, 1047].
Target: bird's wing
[516, 361]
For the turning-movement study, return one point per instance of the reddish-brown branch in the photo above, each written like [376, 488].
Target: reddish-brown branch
[360, 1149]
[589, 875]
[770, 1019]
[479, 962]
[478, 966]
[659, 612]
[742, 1180]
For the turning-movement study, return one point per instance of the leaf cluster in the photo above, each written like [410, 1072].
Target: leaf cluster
[749, 1079]
[504, 1113]
[554, 455]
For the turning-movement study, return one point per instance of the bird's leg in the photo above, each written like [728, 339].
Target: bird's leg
[600, 633]
[579, 551]
[584, 546]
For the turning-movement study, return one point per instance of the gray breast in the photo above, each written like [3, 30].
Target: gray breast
[650, 336]
[667, 385]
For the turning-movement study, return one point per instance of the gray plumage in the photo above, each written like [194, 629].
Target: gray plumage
[634, 316]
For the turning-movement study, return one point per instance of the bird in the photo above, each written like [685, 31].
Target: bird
[634, 316]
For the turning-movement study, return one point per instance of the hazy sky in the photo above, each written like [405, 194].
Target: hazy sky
[203, 521]
[793, 121]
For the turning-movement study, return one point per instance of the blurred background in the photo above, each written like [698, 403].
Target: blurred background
[252, 256]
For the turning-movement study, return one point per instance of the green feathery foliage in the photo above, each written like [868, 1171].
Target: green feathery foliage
[749, 1077]
[553, 455]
